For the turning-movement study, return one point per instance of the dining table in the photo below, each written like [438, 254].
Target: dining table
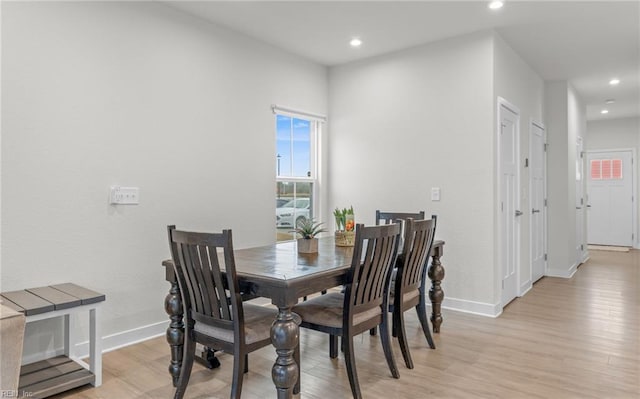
[280, 273]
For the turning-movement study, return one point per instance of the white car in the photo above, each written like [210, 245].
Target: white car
[290, 213]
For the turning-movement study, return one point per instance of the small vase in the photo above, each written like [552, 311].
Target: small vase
[345, 238]
[307, 245]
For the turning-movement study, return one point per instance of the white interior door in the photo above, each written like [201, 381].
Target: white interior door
[538, 175]
[509, 212]
[610, 188]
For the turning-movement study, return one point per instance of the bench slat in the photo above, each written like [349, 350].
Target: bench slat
[6, 302]
[32, 304]
[59, 299]
[87, 296]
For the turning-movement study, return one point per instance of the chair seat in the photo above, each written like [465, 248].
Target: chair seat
[257, 327]
[326, 310]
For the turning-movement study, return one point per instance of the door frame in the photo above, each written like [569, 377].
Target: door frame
[501, 102]
[545, 223]
[582, 255]
[634, 193]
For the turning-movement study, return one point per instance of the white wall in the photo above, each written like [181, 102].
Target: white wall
[516, 82]
[566, 120]
[421, 118]
[135, 94]
[577, 120]
[622, 133]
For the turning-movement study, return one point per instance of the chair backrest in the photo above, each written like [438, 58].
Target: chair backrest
[374, 253]
[391, 217]
[418, 241]
[210, 295]
[398, 217]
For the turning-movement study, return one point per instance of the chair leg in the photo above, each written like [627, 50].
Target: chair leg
[386, 345]
[188, 355]
[398, 321]
[239, 366]
[333, 346]
[350, 360]
[246, 363]
[424, 321]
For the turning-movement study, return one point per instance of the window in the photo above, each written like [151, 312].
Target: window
[296, 170]
[606, 169]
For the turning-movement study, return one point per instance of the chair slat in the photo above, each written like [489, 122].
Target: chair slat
[209, 298]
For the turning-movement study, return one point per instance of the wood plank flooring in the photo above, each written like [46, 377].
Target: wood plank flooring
[566, 338]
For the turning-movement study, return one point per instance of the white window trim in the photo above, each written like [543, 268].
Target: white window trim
[318, 121]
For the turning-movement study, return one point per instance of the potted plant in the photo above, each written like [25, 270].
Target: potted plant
[345, 227]
[308, 228]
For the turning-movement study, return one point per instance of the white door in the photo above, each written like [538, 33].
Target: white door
[610, 191]
[537, 174]
[509, 212]
[580, 203]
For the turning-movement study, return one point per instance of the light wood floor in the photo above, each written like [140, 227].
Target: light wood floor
[566, 338]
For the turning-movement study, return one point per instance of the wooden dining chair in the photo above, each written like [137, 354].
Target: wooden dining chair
[410, 279]
[214, 313]
[396, 217]
[364, 302]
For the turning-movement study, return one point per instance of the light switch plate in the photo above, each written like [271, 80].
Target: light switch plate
[124, 195]
[435, 193]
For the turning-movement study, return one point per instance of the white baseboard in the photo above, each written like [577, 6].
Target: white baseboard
[125, 338]
[473, 307]
[524, 288]
[109, 342]
[143, 333]
[563, 273]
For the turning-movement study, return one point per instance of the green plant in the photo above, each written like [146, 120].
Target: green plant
[344, 219]
[309, 228]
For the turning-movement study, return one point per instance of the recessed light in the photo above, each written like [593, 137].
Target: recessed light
[614, 81]
[610, 101]
[604, 111]
[355, 42]
[494, 5]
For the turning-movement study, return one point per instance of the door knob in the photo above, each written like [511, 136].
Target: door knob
[518, 213]
[535, 210]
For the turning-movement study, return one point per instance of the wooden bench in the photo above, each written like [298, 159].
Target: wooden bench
[52, 376]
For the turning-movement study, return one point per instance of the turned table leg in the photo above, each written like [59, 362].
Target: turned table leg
[436, 294]
[175, 331]
[285, 337]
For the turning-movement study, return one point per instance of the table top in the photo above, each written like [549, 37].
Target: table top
[282, 260]
[279, 272]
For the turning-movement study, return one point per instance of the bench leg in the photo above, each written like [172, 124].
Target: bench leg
[69, 336]
[95, 345]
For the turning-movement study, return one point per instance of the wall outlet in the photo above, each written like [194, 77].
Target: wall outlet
[435, 193]
[124, 195]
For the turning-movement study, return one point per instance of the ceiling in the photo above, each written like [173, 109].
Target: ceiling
[585, 42]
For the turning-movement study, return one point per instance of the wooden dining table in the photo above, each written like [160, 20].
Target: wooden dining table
[280, 273]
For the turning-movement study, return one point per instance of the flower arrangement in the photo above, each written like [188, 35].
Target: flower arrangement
[345, 226]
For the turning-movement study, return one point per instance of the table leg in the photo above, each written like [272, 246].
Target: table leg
[285, 338]
[175, 331]
[436, 294]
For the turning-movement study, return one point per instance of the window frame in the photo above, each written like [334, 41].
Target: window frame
[316, 124]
